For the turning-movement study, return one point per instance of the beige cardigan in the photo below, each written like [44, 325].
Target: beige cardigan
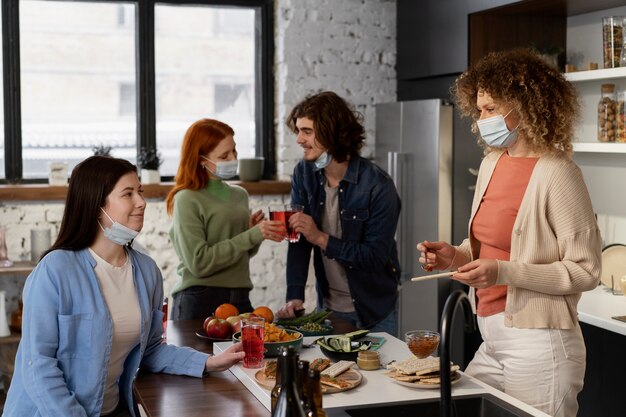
[555, 245]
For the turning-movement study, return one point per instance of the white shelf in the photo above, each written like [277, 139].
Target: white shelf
[599, 147]
[596, 75]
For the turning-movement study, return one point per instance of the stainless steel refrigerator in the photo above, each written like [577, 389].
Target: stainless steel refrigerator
[414, 144]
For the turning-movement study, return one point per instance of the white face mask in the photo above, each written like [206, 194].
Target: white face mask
[322, 161]
[495, 133]
[117, 232]
[223, 169]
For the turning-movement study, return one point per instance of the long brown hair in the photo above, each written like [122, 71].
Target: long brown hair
[200, 139]
[91, 182]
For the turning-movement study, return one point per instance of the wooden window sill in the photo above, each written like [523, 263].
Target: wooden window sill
[45, 192]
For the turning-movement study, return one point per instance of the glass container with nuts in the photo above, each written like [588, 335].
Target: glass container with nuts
[607, 118]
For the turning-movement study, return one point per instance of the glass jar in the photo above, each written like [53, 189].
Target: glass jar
[620, 123]
[612, 40]
[607, 108]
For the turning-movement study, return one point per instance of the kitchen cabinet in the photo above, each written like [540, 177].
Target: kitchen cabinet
[432, 38]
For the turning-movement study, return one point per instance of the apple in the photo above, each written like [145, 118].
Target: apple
[246, 315]
[219, 329]
[235, 322]
[206, 321]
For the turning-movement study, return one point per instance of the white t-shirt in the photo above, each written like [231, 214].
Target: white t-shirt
[118, 289]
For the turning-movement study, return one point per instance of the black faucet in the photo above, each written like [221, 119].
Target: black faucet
[447, 318]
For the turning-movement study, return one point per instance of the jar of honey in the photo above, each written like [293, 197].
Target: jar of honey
[368, 360]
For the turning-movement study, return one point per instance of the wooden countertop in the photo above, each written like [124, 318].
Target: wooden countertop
[220, 394]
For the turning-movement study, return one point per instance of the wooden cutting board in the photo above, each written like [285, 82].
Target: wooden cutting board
[352, 376]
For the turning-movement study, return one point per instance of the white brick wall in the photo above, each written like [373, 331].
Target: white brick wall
[347, 46]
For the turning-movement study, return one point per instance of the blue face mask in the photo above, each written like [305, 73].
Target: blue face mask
[495, 133]
[322, 161]
[223, 169]
[117, 232]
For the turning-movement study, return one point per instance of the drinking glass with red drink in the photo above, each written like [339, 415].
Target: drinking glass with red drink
[164, 309]
[282, 212]
[252, 339]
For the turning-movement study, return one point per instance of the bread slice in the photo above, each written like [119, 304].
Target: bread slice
[415, 366]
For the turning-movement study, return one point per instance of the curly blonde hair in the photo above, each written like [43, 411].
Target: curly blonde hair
[546, 102]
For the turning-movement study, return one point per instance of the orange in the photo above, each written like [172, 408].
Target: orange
[226, 310]
[264, 312]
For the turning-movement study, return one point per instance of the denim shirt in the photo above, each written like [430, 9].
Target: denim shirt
[62, 360]
[369, 210]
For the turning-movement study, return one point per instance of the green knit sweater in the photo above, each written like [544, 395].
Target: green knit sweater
[211, 237]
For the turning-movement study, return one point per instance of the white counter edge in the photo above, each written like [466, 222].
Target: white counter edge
[596, 308]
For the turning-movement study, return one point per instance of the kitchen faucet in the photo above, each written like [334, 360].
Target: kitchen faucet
[447, 318]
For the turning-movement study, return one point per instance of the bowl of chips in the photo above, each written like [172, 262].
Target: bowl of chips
[275, 338]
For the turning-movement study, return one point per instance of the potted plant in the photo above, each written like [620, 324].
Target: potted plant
[149, 160]
[101, 150]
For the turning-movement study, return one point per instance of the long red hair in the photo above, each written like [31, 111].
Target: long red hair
[200, 139]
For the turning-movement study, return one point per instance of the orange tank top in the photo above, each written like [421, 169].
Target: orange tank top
[493, 223]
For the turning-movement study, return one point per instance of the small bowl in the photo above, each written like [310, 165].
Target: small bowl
[336, 356]
[272, 349]
[422, 343]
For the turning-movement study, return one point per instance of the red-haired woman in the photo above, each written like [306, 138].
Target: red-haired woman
[212, 231]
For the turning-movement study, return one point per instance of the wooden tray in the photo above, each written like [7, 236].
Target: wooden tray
[352, 376]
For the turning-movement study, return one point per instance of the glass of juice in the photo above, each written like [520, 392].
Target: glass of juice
[282, 212]
[252, 339]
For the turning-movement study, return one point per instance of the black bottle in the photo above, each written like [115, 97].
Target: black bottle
[302, 376]
[314, 390]
[288, 403]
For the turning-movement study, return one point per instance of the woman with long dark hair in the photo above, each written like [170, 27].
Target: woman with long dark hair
[92, 307]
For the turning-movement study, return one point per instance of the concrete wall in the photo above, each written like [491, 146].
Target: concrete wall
[347, 46]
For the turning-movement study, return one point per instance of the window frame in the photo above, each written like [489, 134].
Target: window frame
[145, 78]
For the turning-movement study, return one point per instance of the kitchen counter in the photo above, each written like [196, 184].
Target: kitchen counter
[598, 306]
[376, 388]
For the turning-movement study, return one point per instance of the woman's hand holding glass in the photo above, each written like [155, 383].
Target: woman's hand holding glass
[232, 355]
[272, 230]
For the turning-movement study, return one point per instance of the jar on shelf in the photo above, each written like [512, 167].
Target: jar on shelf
[612, 40]
[620, 124]
[607, 108]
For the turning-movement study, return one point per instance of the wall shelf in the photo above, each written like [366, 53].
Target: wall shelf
[596, 75]
[18, 268]
[599, 147]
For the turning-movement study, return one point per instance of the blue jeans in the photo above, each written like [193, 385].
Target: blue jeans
[389, 324]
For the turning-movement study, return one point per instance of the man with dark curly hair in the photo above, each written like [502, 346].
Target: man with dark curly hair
[351, 211]
[533, 244]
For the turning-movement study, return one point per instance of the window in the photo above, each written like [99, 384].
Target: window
[130, 74]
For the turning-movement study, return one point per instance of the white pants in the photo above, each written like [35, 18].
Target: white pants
[544, 368]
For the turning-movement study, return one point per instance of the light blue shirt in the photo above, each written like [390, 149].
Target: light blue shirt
[62, 360]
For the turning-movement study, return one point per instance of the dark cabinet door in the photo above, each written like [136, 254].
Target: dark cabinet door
[432, 38]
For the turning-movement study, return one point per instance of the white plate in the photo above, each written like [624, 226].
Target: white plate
[456, 378]
[613, 263]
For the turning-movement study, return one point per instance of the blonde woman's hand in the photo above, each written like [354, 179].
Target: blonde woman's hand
[481, 273]
[256, 218]
[232, 355]
[272, 230]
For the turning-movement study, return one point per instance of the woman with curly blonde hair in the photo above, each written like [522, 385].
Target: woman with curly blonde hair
[533, 243]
